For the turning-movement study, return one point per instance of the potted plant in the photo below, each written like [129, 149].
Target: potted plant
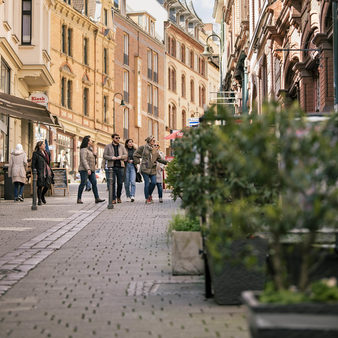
[290, 169]
[186, 245]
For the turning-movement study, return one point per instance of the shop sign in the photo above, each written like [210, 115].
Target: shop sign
[39, 98]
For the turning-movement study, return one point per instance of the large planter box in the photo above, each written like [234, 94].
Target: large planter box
[186, 253]
[307, 320]
[231, 279]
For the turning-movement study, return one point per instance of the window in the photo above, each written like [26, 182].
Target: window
[126, 49]
[150, 63]
[126, 86]
[150, 127]
[105, 109]
[63, 39]
[85, 51]
[150, 98]
[155, 67]
[184, 119]
[172, 116]
[203, 93]
[85, 101]
[4, 87]
[172, 79]
[85, 8]
[5, 77]
[116, 4]
[191, 59]
[105, 60]
[105, 17]
[173, 47]
[155, 130]
[126, 123]
[69, 2]
[63, 92]
[69, 94]
[70, 33]
[183, 53]
[152, 28]
[155, 101]
[192, 91]
[26, 24]
[183, 91]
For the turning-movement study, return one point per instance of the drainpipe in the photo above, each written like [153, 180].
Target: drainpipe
[245, 88]
[335, 52]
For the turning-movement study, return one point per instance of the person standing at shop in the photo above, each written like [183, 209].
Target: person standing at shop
[41, 162]
[149, 156]
[87, 169]
[130, 171]
[115, 153]
[17, 171]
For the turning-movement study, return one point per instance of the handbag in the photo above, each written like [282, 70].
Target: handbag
[138, 177]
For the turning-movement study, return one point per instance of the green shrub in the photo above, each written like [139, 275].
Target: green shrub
[183, 223]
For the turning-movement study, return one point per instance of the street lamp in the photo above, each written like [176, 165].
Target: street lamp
[121, 104]
[208, 52]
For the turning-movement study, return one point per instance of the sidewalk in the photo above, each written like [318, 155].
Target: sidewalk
[104, 273]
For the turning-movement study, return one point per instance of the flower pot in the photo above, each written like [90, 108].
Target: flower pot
[305, 320]
[231, 279]
[186, 253]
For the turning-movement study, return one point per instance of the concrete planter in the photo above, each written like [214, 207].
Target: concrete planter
[307, 320]
[185, 253]
[231, 279]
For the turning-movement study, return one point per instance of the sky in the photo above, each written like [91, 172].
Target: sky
[204, 9]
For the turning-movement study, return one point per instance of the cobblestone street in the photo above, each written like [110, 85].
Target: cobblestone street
[71, 270]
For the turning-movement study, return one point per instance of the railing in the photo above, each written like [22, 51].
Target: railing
[224, 98]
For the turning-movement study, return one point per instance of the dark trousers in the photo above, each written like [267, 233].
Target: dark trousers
[41, 192]
[84, 177]
[117, 178]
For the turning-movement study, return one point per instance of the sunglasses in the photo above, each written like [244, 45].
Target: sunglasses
[157, 145]
[116, 137]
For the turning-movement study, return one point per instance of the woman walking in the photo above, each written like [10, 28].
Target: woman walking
[41, 162]
[87, 169]
[149, 156]
[159, 174]
[17, 171]
[130, 171]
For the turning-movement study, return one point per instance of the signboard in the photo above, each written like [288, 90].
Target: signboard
[39, 98]
[60, 180]
[193, 121]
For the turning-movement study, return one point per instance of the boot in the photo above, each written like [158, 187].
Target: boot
[98, 200]
[43, 199]
[79, 202]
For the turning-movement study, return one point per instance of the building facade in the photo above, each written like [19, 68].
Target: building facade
[283, 48]
[25, 66]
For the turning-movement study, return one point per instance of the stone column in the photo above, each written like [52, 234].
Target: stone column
[306, 84]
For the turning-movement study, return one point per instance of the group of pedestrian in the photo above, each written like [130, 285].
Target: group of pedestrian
[123, 159]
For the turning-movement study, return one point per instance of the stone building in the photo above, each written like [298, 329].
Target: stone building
[25, 67]
[283, 47]
[82, 52]
[139, 70]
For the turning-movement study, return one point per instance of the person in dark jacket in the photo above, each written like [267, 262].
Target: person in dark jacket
[130, 171]
[41, 162]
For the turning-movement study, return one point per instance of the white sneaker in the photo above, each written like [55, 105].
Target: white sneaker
[132, 199]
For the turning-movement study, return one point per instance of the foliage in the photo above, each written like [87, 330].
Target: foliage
[183, 223]
[269, 173]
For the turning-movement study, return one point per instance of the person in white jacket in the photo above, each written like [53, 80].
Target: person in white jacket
[17, 171]
[159, 174]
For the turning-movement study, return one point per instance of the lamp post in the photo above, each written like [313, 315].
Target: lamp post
[208, 52]
[121, 104]
[335, 51]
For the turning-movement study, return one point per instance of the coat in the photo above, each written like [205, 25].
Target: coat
[17, 166]
[159, 169]
[148, 158]
[40, 162]
[87, 160]
[108, 153]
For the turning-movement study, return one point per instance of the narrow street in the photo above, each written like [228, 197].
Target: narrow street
[69, 270]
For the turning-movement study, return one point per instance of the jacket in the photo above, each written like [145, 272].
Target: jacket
[148, 158]
[87, 160]
[160, 169]
[17, 166]
[40, 162]
[108, 153]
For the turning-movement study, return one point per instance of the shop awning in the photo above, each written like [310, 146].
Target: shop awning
[23, 109]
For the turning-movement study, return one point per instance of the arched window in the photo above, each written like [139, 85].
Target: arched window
[172, 116]
[203, 96]
[172, 79]
[173, 47]
[184, 119]
[183, 90]
[192, 91]
[183, 53]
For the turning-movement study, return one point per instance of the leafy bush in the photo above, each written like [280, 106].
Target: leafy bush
[183, 223]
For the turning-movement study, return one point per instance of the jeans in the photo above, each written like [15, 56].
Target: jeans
[84, 177]
[117, 178]
[149, 184]
[18, 189]
[160, 189]
[130, 180]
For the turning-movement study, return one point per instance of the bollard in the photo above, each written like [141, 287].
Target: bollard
[110, 188]
[34, 207]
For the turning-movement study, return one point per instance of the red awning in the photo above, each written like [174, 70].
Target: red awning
[174, 135]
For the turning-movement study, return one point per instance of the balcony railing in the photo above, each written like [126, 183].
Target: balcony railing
[224, 98]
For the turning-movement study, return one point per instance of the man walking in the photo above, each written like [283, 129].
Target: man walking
[115, 154]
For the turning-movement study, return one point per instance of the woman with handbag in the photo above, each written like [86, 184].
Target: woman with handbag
[149, 156]
[41, 162]
[130, 171]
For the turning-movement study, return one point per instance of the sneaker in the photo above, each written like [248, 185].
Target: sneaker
[119, 200]
[20, 198]
[79, 202]
[16, 200]
[149, 200]
[161, 200]
[132, 199]
[114, 202]
[98, 200]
